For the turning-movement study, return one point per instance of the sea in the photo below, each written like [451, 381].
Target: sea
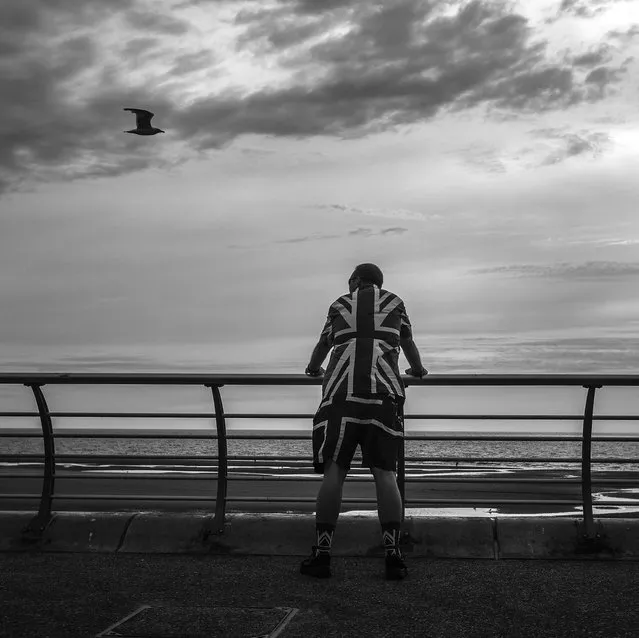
[513, 455]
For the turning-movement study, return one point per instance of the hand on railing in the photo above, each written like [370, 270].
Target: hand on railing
[314, 373]
[417, 373]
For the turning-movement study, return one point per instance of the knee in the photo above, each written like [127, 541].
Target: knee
[383, 477]
[334, 473]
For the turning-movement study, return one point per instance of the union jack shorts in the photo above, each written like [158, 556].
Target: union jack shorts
[374, 423]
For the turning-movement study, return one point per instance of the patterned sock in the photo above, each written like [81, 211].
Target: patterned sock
[324, 537]
[390, 537]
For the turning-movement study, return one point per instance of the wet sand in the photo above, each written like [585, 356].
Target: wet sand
[298, 494]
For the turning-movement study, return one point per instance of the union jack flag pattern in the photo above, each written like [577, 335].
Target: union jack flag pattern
[364, 327]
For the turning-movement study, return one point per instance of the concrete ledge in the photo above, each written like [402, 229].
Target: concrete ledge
[159, 533]
[11, 526]
[294, 534]
[80, 532]
[621, 537]
[565, 538]
[450, 537]
[536, 538]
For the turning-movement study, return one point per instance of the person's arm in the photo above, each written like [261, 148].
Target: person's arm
[408, 346]
[320, 353]
[323, 347]
[412, 356]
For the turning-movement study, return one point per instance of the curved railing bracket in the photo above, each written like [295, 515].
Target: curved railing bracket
[217, 526]
[33, 531]
[586, 466]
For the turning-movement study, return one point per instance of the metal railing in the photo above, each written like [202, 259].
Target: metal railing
[216, 381]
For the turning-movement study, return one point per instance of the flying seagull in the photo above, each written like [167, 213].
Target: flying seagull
[143, 123]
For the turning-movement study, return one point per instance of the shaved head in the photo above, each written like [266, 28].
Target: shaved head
[369, 273]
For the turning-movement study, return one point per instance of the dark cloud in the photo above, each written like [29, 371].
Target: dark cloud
[43, 128]
[23, 18]
[302, 7]
[602, 75]
[368, 232]
[593, 58]
[395, 230]
[581, 8]
[396, 65]
[362, 232]
[565, 143]
[146, 21]
[358, 232]
[587, 8]
[139, 46]
[297, 240]
[276, 28]
[576, 144]
[624, 36]
[387, 66]
[565, 270]
[189, 62]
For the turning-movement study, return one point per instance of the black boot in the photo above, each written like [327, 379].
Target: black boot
[318, 565]
[395, 567]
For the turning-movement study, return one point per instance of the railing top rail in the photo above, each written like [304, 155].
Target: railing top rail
[88, 378]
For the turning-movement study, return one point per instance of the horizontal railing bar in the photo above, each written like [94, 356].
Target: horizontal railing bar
[88, 378]
[362, 473]
[307, 436]
[136, 457]
[565, 481]
[138, 497]
[232, 476]
[250, 499]
[238, 476]
[122, 415]
[113, 497]
[308, 459]
[491, 502]
[446, 437]
[75, 434]
[522, 417]
[289, 415]
[513, 459]
[452, 502]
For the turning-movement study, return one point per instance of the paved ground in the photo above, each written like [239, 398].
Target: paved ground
[82, 595]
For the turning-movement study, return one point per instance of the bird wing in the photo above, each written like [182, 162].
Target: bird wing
[142, 117]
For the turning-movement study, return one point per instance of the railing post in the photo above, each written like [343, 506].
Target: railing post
[401, 463]
[222, 465]
[586, 454]
[36, 526]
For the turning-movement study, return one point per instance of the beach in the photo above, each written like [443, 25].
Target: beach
[440, 488]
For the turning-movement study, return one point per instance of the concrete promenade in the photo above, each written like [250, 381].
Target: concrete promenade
[157, 575]
[292, 535]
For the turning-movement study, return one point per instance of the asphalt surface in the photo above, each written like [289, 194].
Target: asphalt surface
[81, 595]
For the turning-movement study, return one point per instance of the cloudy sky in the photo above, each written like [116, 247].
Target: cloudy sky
[483, 154]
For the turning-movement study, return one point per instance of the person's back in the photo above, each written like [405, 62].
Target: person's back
[362, 404]
[365, 328]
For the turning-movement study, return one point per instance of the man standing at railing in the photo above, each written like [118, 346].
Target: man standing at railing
[362, 403]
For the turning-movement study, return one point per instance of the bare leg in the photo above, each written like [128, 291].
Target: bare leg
[329, 497]
[389, 500]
